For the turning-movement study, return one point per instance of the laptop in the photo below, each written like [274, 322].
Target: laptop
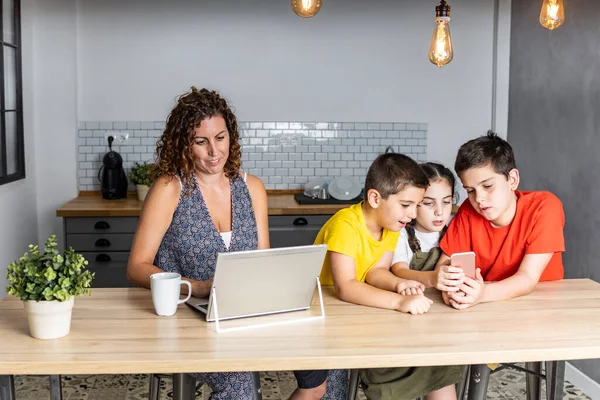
[261, 282]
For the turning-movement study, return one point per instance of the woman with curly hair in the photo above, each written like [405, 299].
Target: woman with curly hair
[200, 205]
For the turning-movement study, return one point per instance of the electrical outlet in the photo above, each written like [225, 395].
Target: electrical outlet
[120, 137]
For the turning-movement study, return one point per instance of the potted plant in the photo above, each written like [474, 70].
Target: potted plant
[141, 176]
[48, 283]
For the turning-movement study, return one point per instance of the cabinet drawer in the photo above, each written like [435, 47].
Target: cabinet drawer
[298, 221]
[110, 269]
[294, 230]
[101, 225]
[98, 242]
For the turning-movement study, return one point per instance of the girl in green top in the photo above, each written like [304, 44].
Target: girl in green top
[415, 258]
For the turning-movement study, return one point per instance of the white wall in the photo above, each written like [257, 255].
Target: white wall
[355, 61]
[55, 103]
[19, 226]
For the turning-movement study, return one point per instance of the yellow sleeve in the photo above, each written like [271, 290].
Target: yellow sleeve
[391, 240]
[341, 237]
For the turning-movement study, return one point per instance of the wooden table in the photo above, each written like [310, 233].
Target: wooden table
[115, 331]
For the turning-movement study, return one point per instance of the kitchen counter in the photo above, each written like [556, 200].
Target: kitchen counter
[91, 204]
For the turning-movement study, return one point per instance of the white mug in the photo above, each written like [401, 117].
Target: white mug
[166, 287]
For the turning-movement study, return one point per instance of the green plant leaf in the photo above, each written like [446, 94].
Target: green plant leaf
[49, 275]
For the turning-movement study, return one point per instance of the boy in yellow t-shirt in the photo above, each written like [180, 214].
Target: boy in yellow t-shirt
[361, 241]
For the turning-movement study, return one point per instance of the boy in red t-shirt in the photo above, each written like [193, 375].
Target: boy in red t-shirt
[517, 236]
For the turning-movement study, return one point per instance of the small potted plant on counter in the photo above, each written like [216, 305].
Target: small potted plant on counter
[48, 283]
[141, 176]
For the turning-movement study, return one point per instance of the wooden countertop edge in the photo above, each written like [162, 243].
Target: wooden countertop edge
[130, 207]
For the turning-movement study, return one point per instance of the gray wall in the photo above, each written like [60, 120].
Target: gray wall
[554, 124]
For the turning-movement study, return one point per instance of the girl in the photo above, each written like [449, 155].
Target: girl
[415, 258]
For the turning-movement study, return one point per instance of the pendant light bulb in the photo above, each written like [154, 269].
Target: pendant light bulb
[440, 49]
[306, 8]
[553, 14]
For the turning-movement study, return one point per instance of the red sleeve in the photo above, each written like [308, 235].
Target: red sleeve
[547, 231]
[458, 236]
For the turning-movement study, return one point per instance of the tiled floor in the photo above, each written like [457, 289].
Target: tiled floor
[504, 385]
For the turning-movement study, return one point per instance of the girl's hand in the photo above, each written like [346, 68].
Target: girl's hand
[409, 287]
[446, 298]
[470, 292]
[449, 278]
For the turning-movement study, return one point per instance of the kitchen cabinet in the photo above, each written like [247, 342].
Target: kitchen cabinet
[106, 241]
[294, 230]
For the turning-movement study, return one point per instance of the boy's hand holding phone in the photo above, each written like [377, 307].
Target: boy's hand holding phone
[417, 304]
[408, 287]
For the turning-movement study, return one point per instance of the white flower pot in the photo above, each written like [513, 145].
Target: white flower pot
[49, 319]
[142, 191]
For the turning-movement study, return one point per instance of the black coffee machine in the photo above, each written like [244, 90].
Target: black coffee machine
[112, 175]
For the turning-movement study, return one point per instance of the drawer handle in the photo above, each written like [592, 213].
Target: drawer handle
[101, 225]
[300, 221]
[102, 243]
[103, 258]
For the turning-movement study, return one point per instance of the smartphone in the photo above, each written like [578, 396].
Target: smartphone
[466, 261]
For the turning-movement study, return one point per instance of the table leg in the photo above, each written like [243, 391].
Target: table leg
[555, 379]
[533, 382]
[55, 387]
[184, 387]
[478, 382]
[7, 387]
[353, 382]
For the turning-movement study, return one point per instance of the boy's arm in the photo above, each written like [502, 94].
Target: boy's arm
[343, 270]
[351, 290]
[521, 283]
[380, 276]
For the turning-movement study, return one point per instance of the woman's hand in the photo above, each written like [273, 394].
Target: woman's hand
[201, 289]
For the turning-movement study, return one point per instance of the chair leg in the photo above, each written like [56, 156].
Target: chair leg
[257, 391]
[7, 387]
[55, 387]
[184, 387]
[478, 382]
[353, 383]
[533, 383]
[461, 387]
[555, 380]
[154, 389]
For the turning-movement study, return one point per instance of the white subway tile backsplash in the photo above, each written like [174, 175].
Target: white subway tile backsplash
[284, 154]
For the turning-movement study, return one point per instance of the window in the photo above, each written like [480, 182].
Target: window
[12, 153]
